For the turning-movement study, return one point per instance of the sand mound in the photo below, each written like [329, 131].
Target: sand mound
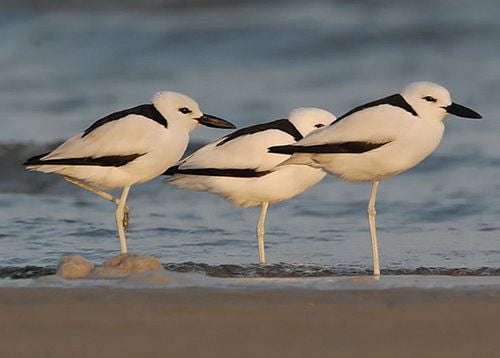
[124, 265]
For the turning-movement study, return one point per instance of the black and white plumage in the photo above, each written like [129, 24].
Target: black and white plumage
[126, 148]
[239, 168]
[378, 140]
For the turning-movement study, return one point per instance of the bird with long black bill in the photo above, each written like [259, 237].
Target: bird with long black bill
[126, 148]
[378, 140]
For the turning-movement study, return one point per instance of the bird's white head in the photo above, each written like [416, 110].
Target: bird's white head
[433, 102]
[307, 119]
[181, 110]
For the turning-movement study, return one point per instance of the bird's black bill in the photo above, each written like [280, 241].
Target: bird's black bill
[215, 122]
[462, 111]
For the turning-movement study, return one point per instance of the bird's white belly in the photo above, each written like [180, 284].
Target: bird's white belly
[282, 184]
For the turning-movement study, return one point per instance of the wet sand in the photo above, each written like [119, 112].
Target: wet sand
[201, 322]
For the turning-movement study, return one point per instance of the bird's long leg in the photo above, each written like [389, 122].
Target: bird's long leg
[260, 232]
[119, 214]
[104, 195]
[373, 229]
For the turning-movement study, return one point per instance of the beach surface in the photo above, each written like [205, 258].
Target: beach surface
[258, 321]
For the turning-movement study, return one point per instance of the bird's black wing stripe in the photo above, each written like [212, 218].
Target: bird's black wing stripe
[216, 172]
[146, 110]
[105, 161]
[346, 147]
[395, 100]
[281, 124]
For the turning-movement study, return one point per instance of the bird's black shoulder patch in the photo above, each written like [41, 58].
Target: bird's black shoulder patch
[146, 110]
[395, 100]
[218, 172]
[280, 124]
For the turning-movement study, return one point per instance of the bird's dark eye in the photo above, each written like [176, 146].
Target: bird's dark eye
[319, 125]
[185, 110]
[429, 99]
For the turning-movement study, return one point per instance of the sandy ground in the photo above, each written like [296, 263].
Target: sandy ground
[201, 322]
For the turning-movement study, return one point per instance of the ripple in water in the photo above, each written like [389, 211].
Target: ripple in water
[280, 270]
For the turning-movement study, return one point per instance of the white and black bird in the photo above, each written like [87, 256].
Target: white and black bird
[378, 140]
[239, 168]
[126, 148]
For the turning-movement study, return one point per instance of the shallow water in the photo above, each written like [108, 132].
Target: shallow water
[64, 67]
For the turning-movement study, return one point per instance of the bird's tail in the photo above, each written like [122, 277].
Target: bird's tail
[36, 163]
[296, 157]
[282, 149]
[171, 170]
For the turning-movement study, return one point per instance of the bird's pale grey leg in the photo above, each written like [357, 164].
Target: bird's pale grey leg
[102, 194]
[119, 214]
[260, 232]
[373, 229]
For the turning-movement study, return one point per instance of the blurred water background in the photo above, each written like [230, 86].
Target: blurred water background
[64, 64]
